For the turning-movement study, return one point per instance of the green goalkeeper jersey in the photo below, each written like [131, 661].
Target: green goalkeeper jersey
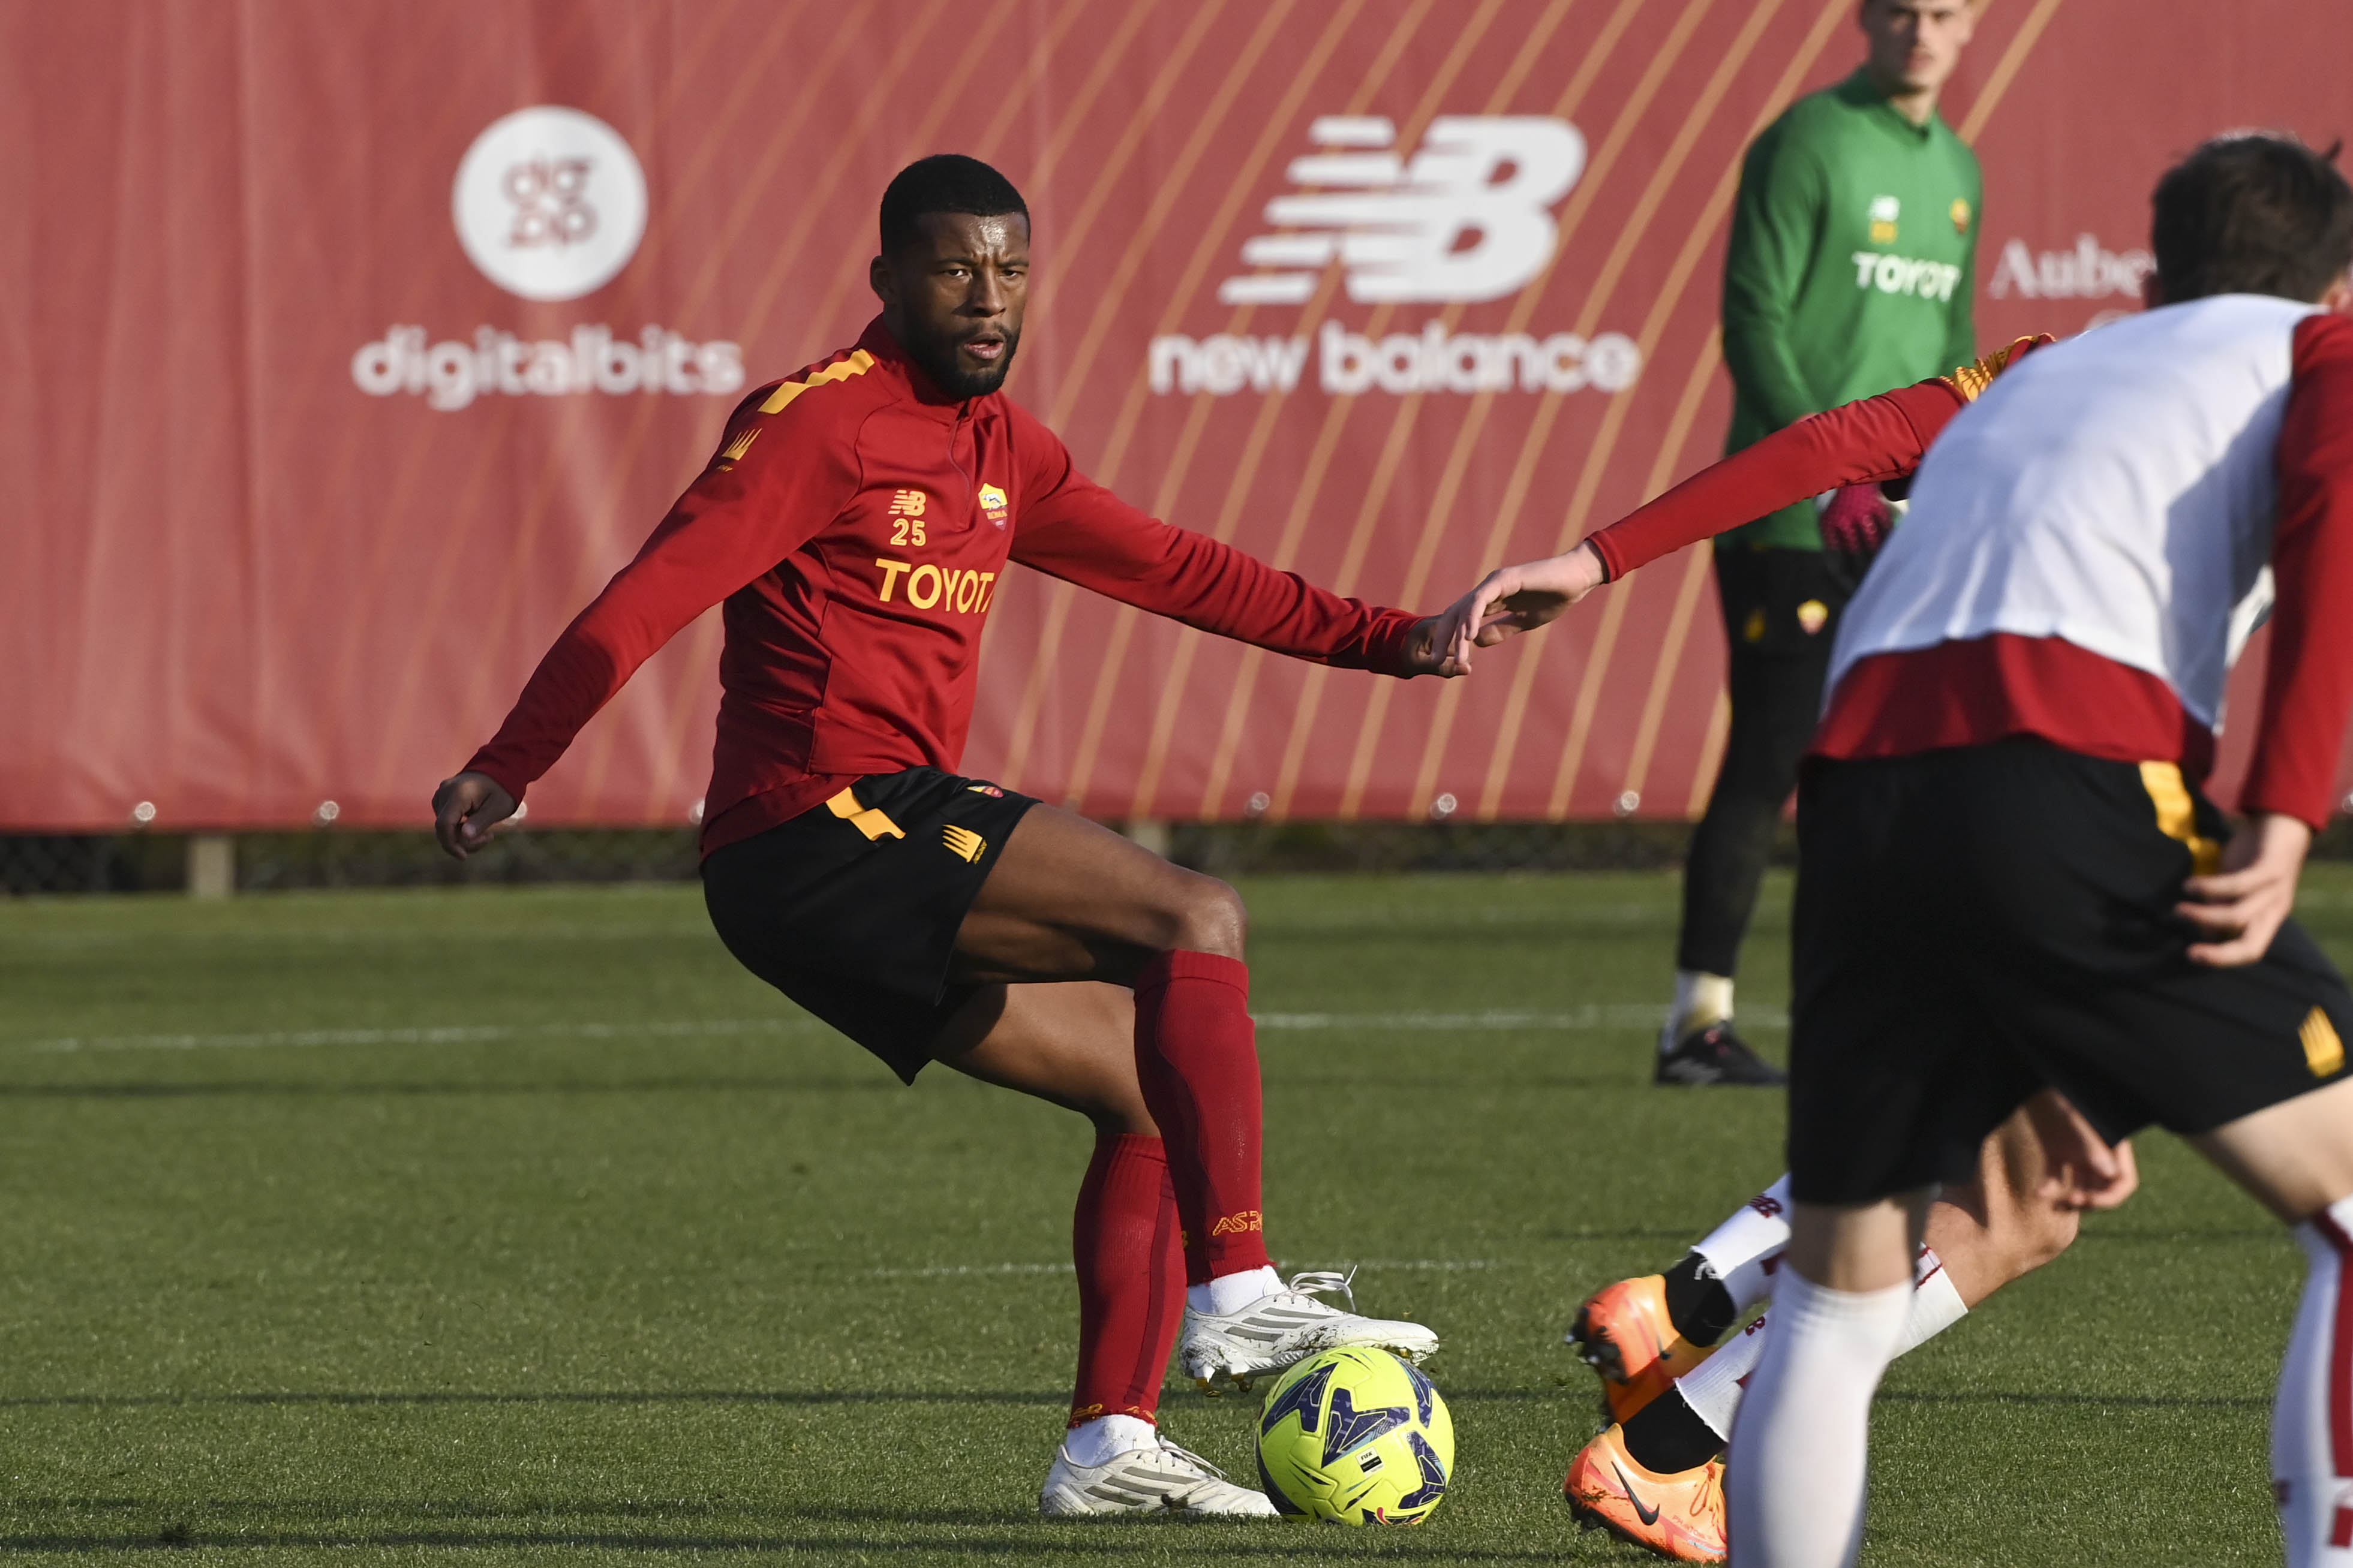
[1851, 269]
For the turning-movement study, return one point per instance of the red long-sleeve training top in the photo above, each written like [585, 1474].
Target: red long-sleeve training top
[1960, 693]
[855, 522]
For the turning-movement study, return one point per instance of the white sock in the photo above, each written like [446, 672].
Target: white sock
[2309, 1476]
[1746, 1248]
[1712, 1388]
[1794, 1481]
[1701, 999]
[1106, 1437]
[1232, 1292]
[1936, 1303]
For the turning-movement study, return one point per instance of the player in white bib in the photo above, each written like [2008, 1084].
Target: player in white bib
[2010, 887]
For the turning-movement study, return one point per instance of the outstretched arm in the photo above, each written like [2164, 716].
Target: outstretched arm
[757, 502]
[1076, 530]
[1863, 442]
[1880, 437]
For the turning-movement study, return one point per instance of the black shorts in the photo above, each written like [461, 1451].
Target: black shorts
[1975, 924]
[1782, 603]
[852, 909]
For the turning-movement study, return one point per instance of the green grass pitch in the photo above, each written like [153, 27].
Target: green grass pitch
[499, 1226]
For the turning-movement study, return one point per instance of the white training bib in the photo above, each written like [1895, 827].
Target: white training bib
[2116, 491]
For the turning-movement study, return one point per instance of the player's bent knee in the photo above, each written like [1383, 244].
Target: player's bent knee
[1211, 919]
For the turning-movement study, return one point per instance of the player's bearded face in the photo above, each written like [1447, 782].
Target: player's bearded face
[955, 301]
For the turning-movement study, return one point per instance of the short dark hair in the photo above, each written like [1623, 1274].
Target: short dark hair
[943, 183]
[2252, 213]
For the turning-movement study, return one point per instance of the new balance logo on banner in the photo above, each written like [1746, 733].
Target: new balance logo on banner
[1468, 218]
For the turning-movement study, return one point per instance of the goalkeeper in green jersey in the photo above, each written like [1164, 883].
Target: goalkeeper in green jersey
[1850, 272]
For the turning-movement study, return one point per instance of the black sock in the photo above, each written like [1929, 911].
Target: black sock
[1666, 1436]
[1697, 1303]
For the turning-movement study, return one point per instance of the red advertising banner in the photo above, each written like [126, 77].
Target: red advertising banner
[351, 347]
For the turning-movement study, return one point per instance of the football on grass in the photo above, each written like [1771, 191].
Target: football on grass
[1355, 1436]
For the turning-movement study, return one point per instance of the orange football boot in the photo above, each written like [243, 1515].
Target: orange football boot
[1679, 1516]
[1623, 1333]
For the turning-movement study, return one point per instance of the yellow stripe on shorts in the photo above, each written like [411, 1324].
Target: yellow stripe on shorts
[2324, 1053]
[2177, 816]
[869, 820]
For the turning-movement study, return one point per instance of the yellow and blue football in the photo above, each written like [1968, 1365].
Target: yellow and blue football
[1354, 1436]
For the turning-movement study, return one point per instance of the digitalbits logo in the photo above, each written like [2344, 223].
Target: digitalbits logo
[550, 203]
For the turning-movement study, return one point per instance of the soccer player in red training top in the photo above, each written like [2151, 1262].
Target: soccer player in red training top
[2008, 879]
[855, 521]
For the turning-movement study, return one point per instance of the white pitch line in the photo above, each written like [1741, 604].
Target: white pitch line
[943, 1270]
[1422, 1264]
[1592, 1015]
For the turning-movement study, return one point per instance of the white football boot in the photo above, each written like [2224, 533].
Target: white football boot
[1284, 1326]
[1159, 1478]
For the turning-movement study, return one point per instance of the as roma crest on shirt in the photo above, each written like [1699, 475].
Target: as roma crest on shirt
[993, 505]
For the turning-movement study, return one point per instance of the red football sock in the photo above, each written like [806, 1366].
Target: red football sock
[1130, 1262]
[1197, 1058]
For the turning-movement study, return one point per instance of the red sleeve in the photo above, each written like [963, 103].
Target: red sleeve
[2308, 684]
[1881, 437]
[775, 481]
[1073, 529]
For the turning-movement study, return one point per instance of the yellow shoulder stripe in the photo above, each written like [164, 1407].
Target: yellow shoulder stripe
[858, 364]
[1973, 379]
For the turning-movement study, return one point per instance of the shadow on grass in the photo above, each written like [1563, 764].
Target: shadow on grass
[817, 1396]
[1203, 1539]
[812, 1396]
[219, 1525]
[297, 1088]
[232, 1087]
[1038, 1398]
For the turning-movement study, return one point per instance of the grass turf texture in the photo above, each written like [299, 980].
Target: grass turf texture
[503, 1225]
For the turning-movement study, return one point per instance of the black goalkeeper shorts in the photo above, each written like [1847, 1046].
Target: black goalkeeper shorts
[852, 909]
[1975, 924]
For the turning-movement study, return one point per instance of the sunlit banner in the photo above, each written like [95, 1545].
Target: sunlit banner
[352, 347]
